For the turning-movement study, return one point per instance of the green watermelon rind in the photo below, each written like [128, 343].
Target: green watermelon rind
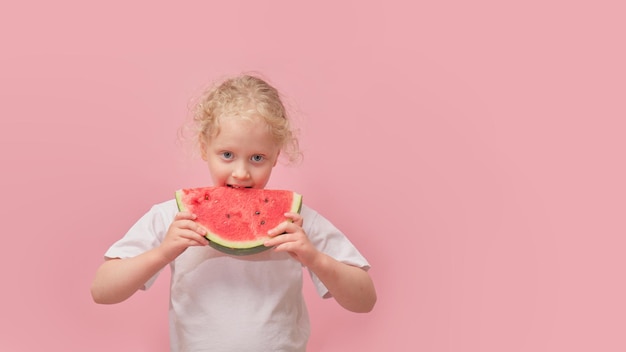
[239, 248]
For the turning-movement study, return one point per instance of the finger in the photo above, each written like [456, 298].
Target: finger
[194, 238]
[200, 241]
[285, 226]
[200, 230]
[183, 215]
[193, 226]
[289, 246]
[274, 241]
[295, 218]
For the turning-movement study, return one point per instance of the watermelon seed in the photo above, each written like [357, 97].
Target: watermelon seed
[228, 216]
[262, 222]
[257, 212]
[206, 197]
[266, 200]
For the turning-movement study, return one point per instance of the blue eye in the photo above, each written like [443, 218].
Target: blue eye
[257, 158]
[227, 155]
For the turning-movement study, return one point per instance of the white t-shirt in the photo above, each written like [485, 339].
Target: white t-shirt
[220, 302]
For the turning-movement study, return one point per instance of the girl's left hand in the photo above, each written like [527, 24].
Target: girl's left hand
[293, 240]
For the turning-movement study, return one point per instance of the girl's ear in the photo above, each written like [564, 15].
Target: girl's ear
[203, 147]
[276, 159]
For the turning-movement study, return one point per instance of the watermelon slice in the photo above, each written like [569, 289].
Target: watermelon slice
[238, 218]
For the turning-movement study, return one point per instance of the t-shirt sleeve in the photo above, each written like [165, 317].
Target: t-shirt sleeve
[331, 241]
[147, 233]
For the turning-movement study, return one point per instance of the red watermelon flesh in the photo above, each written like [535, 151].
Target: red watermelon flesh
[238, 218]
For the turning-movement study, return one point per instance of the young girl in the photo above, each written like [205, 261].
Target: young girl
[237, 303]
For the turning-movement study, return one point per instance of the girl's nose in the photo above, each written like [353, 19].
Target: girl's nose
[241, 172]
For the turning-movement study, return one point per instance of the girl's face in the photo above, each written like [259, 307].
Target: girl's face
[242, 154]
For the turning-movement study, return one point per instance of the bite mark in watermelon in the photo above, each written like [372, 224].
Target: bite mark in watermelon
[238, 218]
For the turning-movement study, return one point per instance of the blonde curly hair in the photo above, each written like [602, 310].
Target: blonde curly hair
[245, 96]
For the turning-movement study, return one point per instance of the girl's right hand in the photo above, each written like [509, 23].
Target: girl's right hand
[182, 233]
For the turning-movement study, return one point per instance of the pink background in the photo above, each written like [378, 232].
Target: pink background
[472, 150]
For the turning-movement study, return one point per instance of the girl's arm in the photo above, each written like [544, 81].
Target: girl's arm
[351, 286]
[118, 279]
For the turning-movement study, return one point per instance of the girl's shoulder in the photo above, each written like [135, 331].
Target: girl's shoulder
[167, 206]
[308, 212]
[163, 212]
